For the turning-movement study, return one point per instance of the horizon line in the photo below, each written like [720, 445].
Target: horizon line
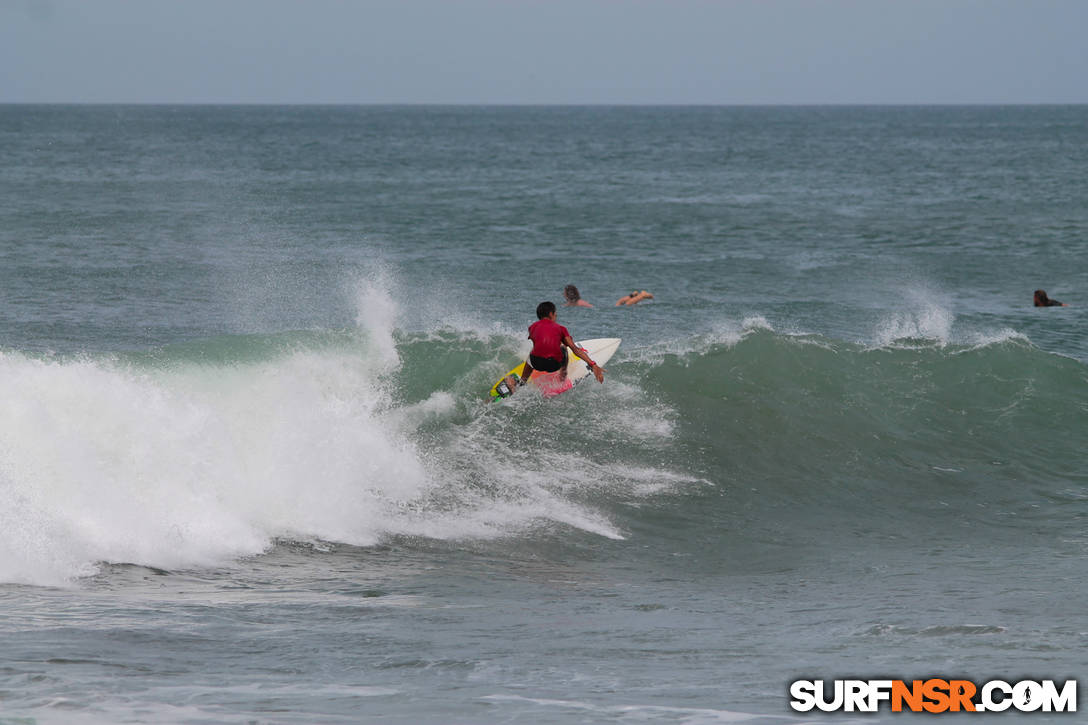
[455, 104]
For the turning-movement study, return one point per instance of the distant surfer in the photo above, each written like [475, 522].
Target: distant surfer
[550, 343]
[1041, 300]
[634, 298]
[574, 298]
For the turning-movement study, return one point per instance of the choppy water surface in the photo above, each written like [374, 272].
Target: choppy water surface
[249, 473]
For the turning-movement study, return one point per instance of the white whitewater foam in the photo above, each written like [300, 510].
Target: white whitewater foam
[190, 467]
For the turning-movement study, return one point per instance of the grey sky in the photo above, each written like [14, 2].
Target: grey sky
[544, 51]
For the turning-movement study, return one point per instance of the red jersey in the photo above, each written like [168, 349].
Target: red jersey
[547, 336]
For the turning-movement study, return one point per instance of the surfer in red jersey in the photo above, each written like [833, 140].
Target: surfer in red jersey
[1041, 300]
[550, 343]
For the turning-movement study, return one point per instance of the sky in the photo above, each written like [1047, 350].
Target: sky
[719, 52]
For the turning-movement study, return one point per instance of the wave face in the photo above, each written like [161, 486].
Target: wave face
[915, 435]
[200, 453]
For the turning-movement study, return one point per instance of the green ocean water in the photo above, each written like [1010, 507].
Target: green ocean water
[249, 471]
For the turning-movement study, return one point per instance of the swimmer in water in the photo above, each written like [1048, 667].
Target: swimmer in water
[634, 298]
[574, 298]
[1041, 300]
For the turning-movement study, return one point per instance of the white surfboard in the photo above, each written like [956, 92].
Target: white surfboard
[600, 350]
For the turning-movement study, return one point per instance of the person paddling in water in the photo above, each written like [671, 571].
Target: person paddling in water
[550, 343]
[574, 297]
[634, 298]
[1041, 300]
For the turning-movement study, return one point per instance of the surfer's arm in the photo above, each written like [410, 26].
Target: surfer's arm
[579, 351]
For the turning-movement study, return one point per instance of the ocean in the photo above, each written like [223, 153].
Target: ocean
[250, 473]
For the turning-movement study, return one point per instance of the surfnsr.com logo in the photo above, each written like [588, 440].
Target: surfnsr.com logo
[933, 695]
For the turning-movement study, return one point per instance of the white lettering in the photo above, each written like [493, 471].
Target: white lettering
[989, 704]
[803, 693]
[834, 704]
[1065, 701]
[855, 695]
[1027, 696]
[879, 690]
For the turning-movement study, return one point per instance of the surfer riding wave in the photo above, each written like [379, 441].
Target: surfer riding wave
[551, 342]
